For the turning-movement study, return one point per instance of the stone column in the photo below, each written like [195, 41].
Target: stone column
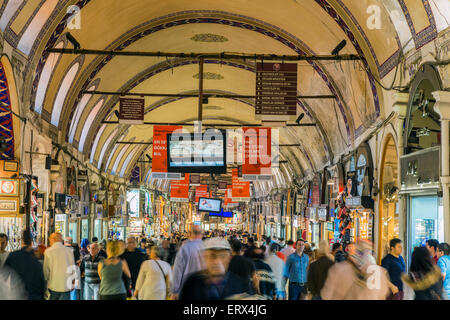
[400, 107]
[442, 107]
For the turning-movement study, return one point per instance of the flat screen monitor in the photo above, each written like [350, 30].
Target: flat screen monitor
[209, 205]
[195, 153]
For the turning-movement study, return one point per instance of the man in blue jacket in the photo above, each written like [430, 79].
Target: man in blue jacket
[295, 271]
[395, 266]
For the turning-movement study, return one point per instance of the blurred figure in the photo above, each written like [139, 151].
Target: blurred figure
[214, 282]
[444, 264]
[337, 252]
[188, 260]
[59, 268]
[110, 271]
[75, 293]
[39, 253]
[28, 268]
[134, 259]
[3, 245]
[242, 266]
[142, 245]
[84, 247]
[309, 251]
[295, 271]
[432, 245]
[267, 286]
[424, 276]
[11, 287]
[102, 247]
[356, 278]
[89, 267]
[277, 266]
[318, 270]
[250, 248]
[289, 249]
[395, 266]
[155, 276]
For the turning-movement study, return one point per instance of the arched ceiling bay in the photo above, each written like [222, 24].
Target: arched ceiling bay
[256, 26]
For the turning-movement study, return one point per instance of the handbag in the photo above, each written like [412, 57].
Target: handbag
[166, 279]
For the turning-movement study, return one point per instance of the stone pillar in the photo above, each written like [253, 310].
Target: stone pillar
[442, 107]
[400, 107]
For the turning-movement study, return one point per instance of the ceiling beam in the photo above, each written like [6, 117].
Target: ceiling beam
[222, 55]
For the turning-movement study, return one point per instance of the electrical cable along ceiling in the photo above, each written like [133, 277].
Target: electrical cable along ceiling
[287, 27]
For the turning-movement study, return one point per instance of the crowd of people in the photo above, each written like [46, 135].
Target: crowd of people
[216, 266]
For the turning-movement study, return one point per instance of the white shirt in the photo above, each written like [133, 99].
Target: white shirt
[287, 251]
[151, 283]
[277, 266]
[59, 267]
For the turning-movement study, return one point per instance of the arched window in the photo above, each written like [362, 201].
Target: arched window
[62, 92]
[110, 157]
[105, 145]
[8, 13]
[45, 78]
[97, 139]
[78, 112]
[127, 162]
[33, 29]
[88, 123]
[118, 158]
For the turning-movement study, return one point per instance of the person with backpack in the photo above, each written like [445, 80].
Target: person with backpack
[155, 276]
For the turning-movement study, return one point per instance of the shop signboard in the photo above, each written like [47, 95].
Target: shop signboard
[179, 189]
[9, 206]
[201, 192]
[131, 111]
[420, 170]
[322, 214]
[276, 91]
[257, 163]
[240, 189]
[159, 153]
[133, 202]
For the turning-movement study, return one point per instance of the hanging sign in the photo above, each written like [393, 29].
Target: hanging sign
[131, 111]
[179, 189]
[228, 202]
[9, 187]
[240, 189]
[201, 192]
[257, 164]
[276, 91]
[159, 154]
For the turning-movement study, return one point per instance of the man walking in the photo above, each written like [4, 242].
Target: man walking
[188, 260]
[395, 266]
[295, 271]
[59, 268]
[89, 267]
[443, 254]
[134, 260]
[277, 266]
[30, 270]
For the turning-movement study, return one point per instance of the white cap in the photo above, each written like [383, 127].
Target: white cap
[216, 244]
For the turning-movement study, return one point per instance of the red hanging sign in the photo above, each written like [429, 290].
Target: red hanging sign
[179, 189]
[201, 192]
[257, 158]
[240, 189]
[159, 154]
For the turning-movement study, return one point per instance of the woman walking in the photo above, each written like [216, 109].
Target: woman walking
[424, 276]
[154, 277]
[110, 272]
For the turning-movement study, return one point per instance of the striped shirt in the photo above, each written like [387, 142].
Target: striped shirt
[90, 268]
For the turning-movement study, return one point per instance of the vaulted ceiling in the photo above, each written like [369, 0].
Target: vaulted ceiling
[282, 27]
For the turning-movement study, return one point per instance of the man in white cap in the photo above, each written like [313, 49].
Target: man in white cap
[215, 282]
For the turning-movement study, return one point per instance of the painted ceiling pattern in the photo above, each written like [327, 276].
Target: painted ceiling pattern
[302, 27]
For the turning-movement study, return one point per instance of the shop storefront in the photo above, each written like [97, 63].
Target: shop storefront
[420, 186]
